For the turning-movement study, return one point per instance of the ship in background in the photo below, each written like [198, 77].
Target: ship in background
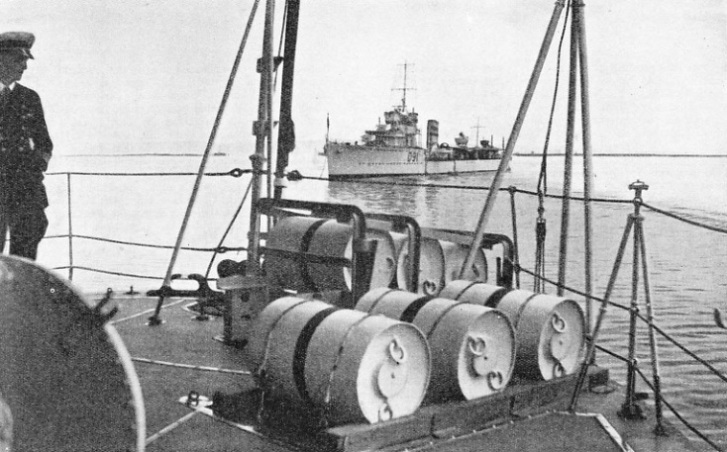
[394, 149]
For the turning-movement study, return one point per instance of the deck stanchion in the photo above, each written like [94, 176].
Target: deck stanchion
[516, 253]
[70, 229]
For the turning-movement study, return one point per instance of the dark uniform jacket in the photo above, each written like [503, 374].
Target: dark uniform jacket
[24, 141]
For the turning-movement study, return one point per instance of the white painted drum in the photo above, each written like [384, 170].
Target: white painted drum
[349, 365]
[473, 347]
[368, 367]
[550, 332]
[336, 239]
[474, 293]
[431, 268]
[273, 342]
[325, 238]
[289, 234]
[455, 255]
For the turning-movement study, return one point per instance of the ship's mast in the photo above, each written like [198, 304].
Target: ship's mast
[477, 132]
[404, 89]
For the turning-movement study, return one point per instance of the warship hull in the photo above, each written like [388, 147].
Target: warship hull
[350, 161]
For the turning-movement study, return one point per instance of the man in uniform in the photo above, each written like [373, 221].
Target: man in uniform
[25, 150]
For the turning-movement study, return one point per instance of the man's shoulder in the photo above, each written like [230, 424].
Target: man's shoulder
[25, 91]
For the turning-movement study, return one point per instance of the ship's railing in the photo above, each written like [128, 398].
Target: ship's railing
[515, 262]
[71, 237]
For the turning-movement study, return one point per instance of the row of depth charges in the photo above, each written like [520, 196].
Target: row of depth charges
[397, 350]
[439, 262]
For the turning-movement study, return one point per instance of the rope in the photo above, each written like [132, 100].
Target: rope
[611, 353]
[685, 220]
[218, 249]
[666, 336]
[189, 366]
[686, 423]
[470, 187]
[227, 231]
[543, 176]
[575, 291]
[143, 313]
[236, 172]
[107, 272]
[170, 427]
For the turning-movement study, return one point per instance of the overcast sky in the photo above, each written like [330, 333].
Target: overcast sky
[132, 75]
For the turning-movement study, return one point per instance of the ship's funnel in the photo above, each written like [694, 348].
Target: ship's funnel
[432, 133]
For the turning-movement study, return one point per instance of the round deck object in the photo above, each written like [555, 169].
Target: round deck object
[290, 234]
[474, 292]
[325, 238]
[363, 367]
[67, 380]
[336, 239]
[346, 364]
[455, 255]
[550, 331]
[265, 322]
[431, 268]
[473, 347]
[277, 333]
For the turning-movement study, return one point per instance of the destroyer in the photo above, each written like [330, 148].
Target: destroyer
[394, 149]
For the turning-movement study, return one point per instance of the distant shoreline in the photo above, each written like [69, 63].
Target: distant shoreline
[627, 155]
[146, 154]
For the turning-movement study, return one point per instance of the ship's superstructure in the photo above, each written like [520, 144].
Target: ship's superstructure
[394, 148]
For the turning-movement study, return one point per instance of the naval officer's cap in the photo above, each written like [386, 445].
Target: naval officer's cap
[17, 41]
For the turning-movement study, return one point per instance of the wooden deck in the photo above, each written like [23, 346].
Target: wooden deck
[520, 418]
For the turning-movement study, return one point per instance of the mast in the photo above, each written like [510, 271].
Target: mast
[404, 89]
[286, 132]
[477, 132]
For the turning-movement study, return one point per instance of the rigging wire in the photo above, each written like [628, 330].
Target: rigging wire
[227, 231]
[198, 181]
[540, 225]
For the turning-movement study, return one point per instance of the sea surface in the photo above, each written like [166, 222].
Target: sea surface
[686, 263]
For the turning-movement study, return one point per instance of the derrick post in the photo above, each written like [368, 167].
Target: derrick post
[507, 156]
[580, 24]
[247, 295]
[286, 130]
[568, 165]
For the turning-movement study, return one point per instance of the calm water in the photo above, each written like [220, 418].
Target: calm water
[686, 264]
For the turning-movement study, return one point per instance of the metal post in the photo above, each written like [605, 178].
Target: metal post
[286, 130]
[568, 166]
[629, 409]
[579, 21]
[261, 129]
[505, 161]
[602, 312]
[70, 229]
[514, 237]
[659, 429]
